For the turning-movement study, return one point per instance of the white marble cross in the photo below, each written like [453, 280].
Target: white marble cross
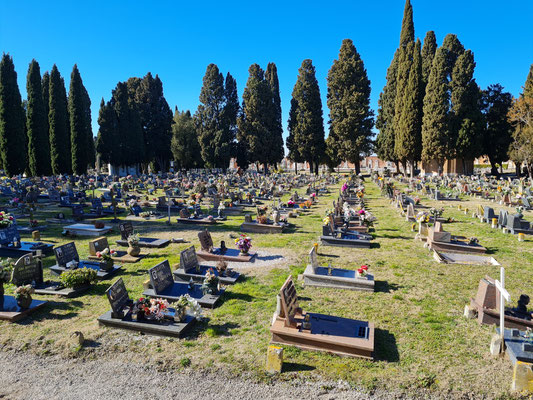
[504, 296]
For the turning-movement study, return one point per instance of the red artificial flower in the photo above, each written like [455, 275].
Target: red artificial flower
[364, 267]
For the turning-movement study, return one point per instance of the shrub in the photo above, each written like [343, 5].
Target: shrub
[78, 277]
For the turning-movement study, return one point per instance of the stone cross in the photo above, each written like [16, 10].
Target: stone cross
[504, 296]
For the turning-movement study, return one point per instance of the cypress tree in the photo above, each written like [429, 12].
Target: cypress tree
[230, 114]
[276, 135]
[348, 99]
[58, 121]
[408, 143]
[45, 84]
[435, 132]
[155, 118]
[428, 53]
[253, 123]
[107, 137]
[385, 120]
[12, 120]
[185, 147]
[209, 118]
[306, 124]
[528, 87]
[407, 33]
[91, 152]
[36, 125]
[78, 123]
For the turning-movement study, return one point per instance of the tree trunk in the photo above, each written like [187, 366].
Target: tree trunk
[397, 164]
[310, 166]
[295, 168]
[317, 166]
[357, 167]
[517, 169]
[412, 169]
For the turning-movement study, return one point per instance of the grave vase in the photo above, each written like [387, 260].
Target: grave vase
[24, 301]
[134, 251]
[180, 314]
[107, 265]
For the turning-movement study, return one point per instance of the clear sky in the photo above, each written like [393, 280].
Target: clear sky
[113, 40]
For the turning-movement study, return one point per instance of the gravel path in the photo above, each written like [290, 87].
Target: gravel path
[26, 376]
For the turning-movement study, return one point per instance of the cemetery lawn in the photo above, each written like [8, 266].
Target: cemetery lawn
[423, 342]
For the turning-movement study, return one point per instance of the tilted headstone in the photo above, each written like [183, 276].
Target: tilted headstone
[126, 229]
[118, 297]
[27, 270]
[188, 259]
[206, 241]
[65, 254]
[161, 277]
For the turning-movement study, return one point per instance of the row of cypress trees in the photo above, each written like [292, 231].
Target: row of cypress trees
[49, 133]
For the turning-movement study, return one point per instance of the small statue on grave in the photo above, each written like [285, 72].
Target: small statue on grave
[306, 323]
[330, 270]
[521, 310]
[223, 247]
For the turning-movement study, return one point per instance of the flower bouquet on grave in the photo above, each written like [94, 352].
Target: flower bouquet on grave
[244, 243]
[6, 220]
[210, 283]
[23, 295]
[262, 219]
[362, 271]
[473, 240]
[184, 303]
[106, 255]
[34, 223]
[149, 309]
[290, 204]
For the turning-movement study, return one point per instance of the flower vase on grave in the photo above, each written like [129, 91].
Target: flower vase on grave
[275, 217]
[134, 251]
[180, 314]
[24, 301]
[107, 265]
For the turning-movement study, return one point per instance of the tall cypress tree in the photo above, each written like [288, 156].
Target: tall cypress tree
[209, 118]
[407, 33]
[107, 137]
[58, 121]
[276, 149]
[385, 120]
[78, 123]
[36, 124]
[428, 53]
[409, 134]
[185, 147]
[435, 130]
[230, 114]
[351, 119]
[45, 84]
[528, 87]
[253, 123]
[91, 152]
[306, 124]
[12, 125]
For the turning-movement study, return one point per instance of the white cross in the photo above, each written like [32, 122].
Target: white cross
[504, 296]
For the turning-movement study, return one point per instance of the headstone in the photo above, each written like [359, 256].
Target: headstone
[66, 253]
[502, 218]
[205, 241]
[126, 229]
[9, 235]
[98, 244]
[27, 270]
[161, 277]
[136, 210]
[313, 259]
[118, 298]
[188, 259]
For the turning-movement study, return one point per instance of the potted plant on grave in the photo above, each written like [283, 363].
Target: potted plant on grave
[133, 245]
[6, 268]
[149, 309]
[106, 255]
[262, 219]
[77, 278]
[184, 303]
[244, 243]
[23, 296]
[210, 283]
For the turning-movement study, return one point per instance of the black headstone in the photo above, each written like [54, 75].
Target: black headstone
[118, 297]
[27, 269]
[9, 235]
[126, 229]
[66, 253]
[188, 260]
[205, 240]
[161, 277]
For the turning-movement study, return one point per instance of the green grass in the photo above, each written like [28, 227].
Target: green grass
[422, 340]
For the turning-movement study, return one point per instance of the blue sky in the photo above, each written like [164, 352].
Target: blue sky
[114, 40]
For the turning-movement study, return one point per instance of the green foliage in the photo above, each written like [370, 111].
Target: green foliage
[275, 150]
[58, 121]
[528, 87]
[155, 118]
[36, 125]
[12, 120]
[254, 122]
[45, 85]
[107, 134]
[348, 99]
[184, 144]
[407, 33]
[435, 111]
[306, 124]
[385, 120]
[428, 53]
[79, 111]
[78, 277]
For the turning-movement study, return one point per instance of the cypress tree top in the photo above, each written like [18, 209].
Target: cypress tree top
[407, 34]
[528, 87]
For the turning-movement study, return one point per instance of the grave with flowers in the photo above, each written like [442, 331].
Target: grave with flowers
[211, 253]
[343, 236]
[189, 268]
[11, 244]
[150, 316]
[99, 250]
[126, 230]
[67, 259]
[338, 278]
[163, 285]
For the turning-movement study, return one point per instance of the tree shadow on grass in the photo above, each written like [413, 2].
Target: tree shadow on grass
[296, 367]
[385, 346]
[385, 287]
